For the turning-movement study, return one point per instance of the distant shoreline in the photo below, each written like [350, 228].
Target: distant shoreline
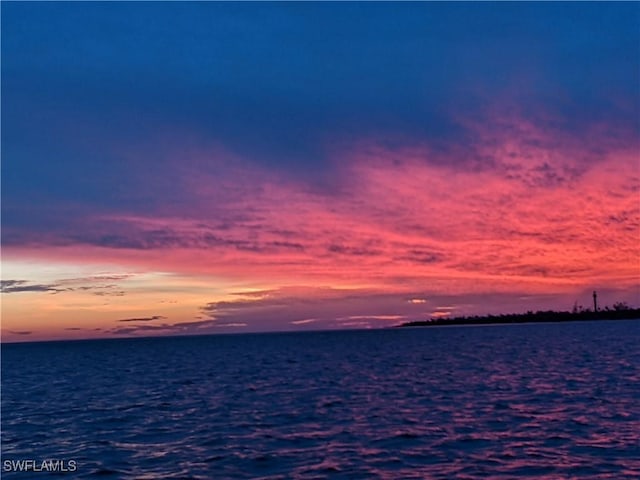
[529, 317]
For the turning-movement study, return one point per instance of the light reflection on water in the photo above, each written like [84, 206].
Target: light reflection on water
[519, 401]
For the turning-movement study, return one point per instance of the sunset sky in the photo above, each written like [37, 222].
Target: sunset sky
[182, 168]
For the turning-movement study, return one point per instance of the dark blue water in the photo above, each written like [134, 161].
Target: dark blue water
[500, 402]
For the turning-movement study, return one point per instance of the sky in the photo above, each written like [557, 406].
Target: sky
[182, 168]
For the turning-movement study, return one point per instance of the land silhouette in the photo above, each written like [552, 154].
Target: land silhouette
[619, 311]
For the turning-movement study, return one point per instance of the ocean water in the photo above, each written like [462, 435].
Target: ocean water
[538, 401]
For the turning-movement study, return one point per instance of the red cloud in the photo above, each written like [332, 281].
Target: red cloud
[519, 208]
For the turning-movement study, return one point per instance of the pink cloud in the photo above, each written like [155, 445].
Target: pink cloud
[521, 209]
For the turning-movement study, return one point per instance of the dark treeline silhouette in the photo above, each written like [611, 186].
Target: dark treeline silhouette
[620, 311]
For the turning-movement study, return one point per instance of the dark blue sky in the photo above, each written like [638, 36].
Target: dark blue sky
[274, 80]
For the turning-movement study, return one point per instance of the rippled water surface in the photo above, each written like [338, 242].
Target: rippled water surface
[501, 402]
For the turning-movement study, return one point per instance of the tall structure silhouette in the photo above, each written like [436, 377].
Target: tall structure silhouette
[595, 301]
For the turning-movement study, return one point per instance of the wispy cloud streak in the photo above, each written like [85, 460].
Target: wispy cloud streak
[143, 319]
